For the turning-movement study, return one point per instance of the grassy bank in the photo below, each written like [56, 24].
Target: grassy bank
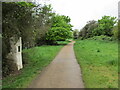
[99, 62]
[36, 59]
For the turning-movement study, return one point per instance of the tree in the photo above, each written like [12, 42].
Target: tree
[26, 20]
[76, 33]
[42, 22]
[61, 29]
[17, 22]
[86, 31]
[105, 26]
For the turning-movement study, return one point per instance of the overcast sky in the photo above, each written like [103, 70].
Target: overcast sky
[81, 11]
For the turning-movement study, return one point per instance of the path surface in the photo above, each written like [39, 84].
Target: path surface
[63, 72]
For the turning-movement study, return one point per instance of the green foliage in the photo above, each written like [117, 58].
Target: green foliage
[58, 33]
[8, 67]
[43, 21]
[15, 20]
[102, 38]
[99, 62]
[86, 32]
[105, 26]
[113, 62]
[24, 19]
[35, 60]
[26, 4]
[60, 29]
[119, 30]
[63, 42]
[75, 33]
[115, 32]
[31, 22]
[27, 20]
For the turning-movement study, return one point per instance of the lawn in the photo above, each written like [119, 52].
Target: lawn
[63, 42]
[36, 59]
[99, 62]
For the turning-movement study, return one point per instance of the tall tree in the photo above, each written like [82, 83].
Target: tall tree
[61, 29]
[43, 22]
[105, 26]
[23, 19]
[87, 30]
[76, 33]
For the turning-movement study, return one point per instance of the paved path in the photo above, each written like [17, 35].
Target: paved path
[63, 72]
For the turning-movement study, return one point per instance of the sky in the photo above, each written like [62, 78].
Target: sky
[81, 11]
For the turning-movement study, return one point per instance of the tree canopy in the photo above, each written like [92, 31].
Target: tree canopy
[61, 28]
[26, 20]
[103, 26]
[36, 24]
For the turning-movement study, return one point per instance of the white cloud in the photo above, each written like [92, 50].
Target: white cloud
[81, 11]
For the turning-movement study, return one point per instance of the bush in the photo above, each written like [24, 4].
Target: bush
[113, 62]
[102, 38]
[60, 29]
[8, 67]
[103, 26]
[87, 30]
[115, 32]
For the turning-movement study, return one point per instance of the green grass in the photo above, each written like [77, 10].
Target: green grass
[63, 42]
[36, 58]
[99, 62]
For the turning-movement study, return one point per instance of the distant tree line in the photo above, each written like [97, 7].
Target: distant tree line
[107, 26]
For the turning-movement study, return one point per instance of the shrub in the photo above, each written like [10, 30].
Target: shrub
[8, 67]
[102, 38]
[113, 62]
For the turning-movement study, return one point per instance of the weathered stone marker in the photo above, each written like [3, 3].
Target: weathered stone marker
[16, 52]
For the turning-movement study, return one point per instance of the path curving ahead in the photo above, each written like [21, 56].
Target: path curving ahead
[63, 72]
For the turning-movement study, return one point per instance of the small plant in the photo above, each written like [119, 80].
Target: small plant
[113, 62]
[98, 50]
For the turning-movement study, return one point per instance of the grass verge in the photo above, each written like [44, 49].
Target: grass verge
[63, 42]
[36, 59]
[99, 63]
